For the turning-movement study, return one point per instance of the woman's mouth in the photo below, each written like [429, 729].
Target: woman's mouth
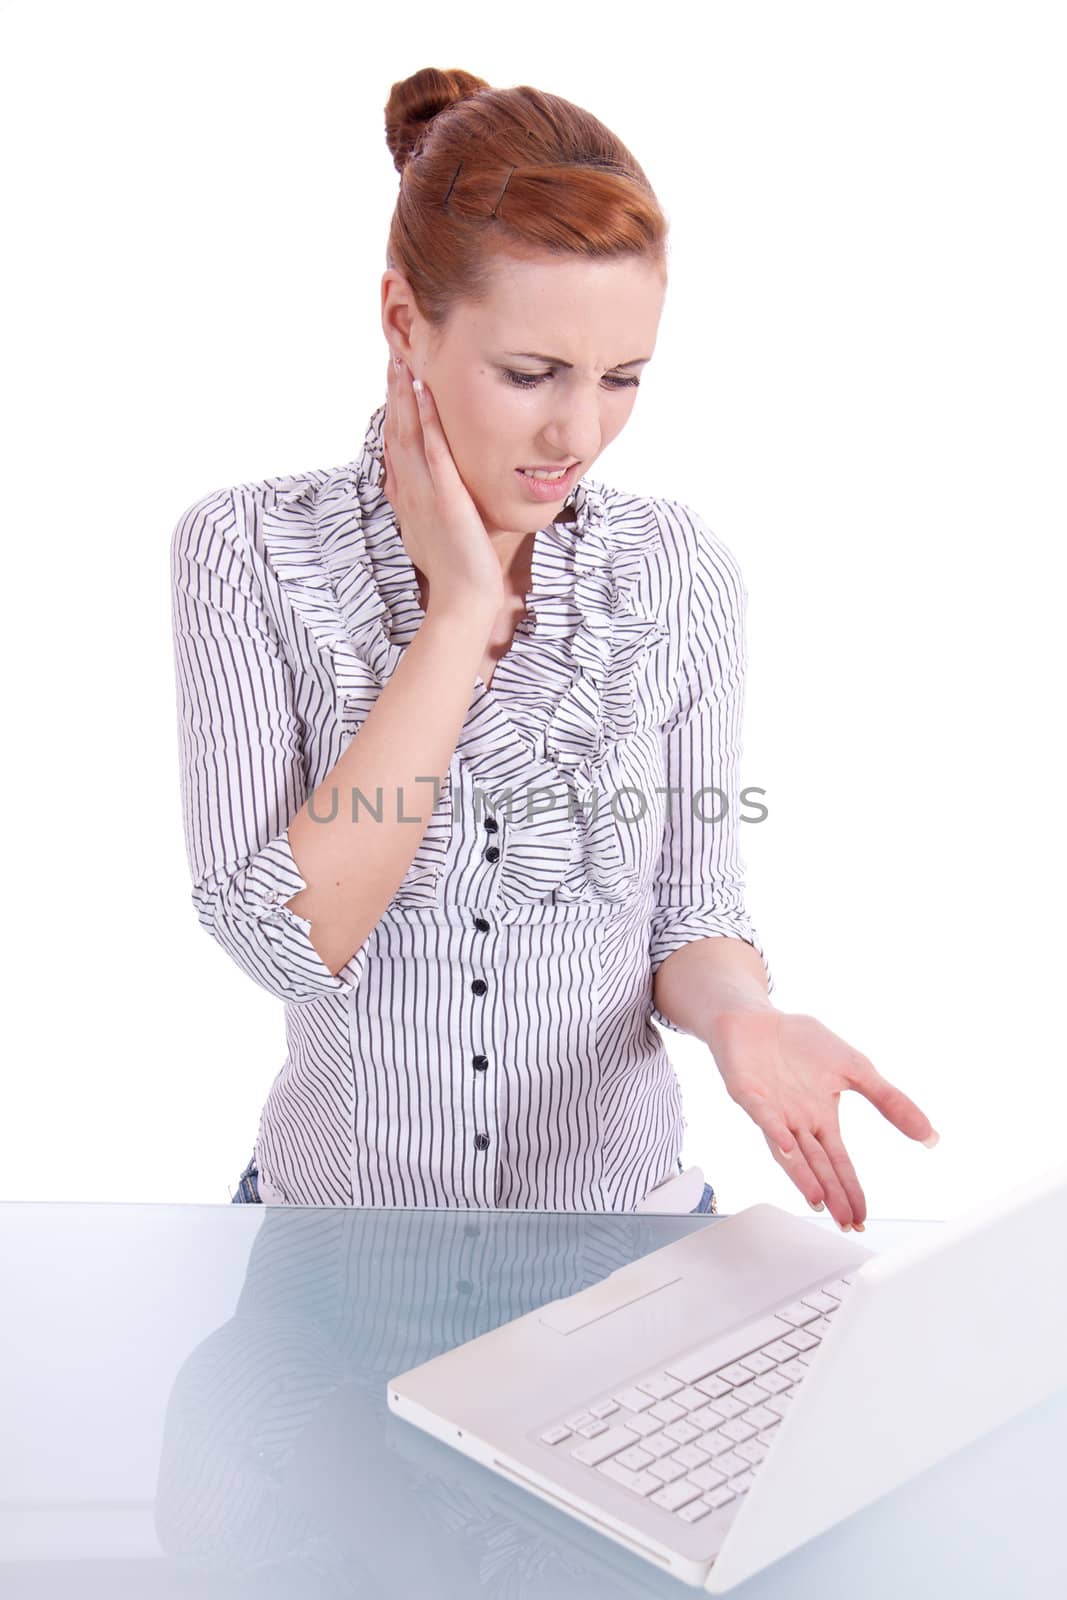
[547, 488]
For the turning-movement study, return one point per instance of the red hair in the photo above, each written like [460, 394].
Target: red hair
[489, 172]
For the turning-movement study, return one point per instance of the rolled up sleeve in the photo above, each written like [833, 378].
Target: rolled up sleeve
[243, 776]
[700, 884]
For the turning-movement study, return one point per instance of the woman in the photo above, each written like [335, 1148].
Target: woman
[470, 970]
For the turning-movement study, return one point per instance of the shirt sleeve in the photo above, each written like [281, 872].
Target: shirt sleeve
[700, 885]
[243, 776]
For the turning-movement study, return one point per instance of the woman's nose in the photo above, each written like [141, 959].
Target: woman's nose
[575, 430]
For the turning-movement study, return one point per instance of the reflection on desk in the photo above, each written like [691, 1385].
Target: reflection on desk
[194, 1404]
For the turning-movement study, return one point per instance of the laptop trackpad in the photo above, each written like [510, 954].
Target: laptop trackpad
[600, 1300]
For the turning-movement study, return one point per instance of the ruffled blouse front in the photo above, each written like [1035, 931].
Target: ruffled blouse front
[563, 695]
[490, 1041]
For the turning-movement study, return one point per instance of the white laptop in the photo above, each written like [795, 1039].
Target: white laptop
[719, 1402]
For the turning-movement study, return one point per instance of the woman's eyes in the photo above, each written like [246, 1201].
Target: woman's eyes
[529, 380]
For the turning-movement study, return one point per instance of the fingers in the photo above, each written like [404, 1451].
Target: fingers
[892, 1102]
[402, 413]
[435, 446]
[433, 437]
[795, 1165]
[819, 1166]
[406, 448]
[832, 1176]
[786, 1149]
[829, 1140]
[810, 1168]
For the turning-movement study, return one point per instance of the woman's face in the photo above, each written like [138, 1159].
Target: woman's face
[542, 373]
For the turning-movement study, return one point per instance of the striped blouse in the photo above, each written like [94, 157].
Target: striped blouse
[491, 1043]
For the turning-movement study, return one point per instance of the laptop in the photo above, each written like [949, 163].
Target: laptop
[724, 1399]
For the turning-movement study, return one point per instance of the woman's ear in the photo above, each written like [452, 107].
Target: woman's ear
[398, 314]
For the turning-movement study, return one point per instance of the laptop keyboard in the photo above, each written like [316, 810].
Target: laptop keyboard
[689, 1436]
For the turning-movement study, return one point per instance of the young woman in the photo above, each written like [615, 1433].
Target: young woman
[460, 735]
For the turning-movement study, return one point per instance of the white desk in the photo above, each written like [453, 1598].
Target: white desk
[192, 1403]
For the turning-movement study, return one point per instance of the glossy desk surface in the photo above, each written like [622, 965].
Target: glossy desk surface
[192, 1402]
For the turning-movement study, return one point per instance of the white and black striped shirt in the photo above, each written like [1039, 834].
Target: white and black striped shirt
[490, 1044]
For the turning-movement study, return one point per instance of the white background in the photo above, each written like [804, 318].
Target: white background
[858, 382]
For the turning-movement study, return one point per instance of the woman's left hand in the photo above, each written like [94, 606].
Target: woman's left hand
[787, 1071]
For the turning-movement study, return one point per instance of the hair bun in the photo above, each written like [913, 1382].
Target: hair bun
[414, 102]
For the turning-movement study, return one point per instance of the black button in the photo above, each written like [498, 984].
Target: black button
[482, 1141]
[491, 824]
[464, 1286]
[479, 986]
[479, 1063]
[481, 925]
[492, 854]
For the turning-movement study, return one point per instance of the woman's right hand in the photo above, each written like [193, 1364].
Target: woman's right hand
[440, 526]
